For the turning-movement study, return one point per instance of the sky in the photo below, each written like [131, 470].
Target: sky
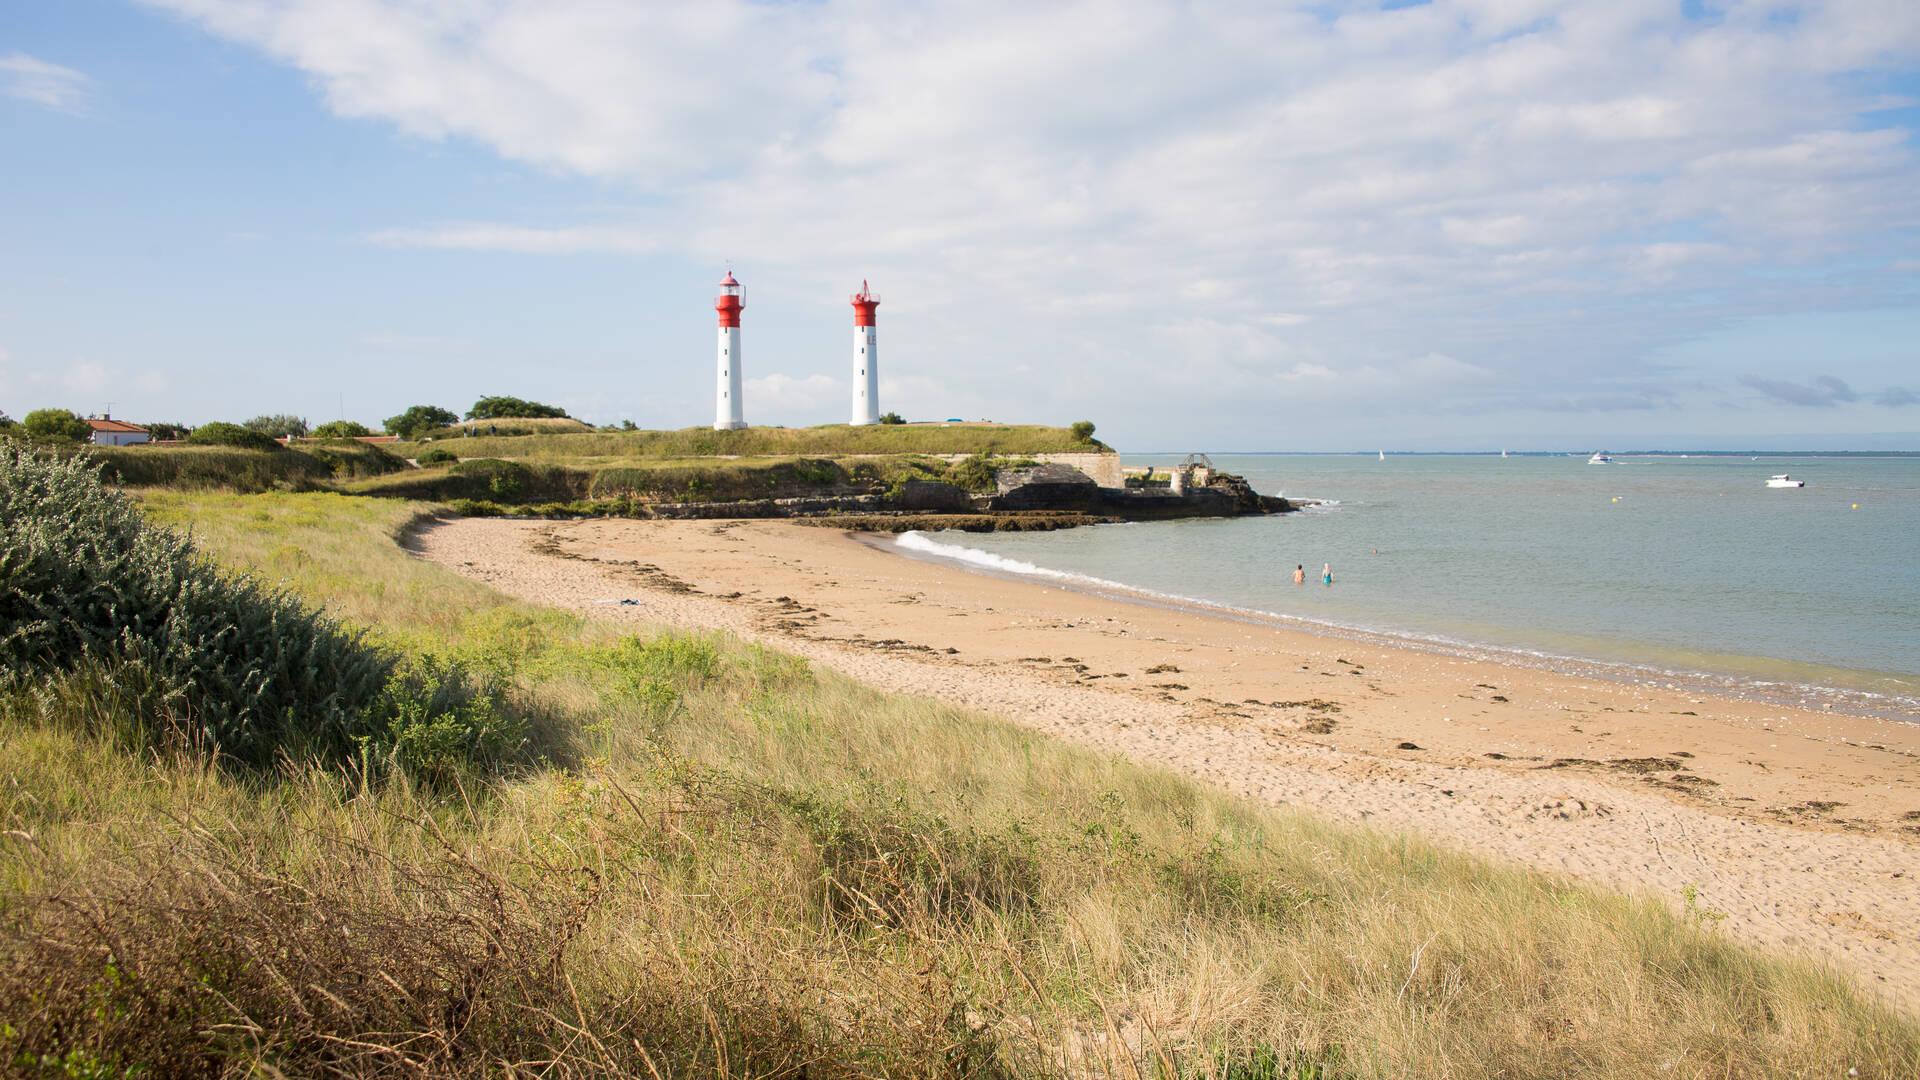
[1456, 225]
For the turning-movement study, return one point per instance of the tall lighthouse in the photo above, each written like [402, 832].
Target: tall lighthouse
[866, 358]
[726, 403]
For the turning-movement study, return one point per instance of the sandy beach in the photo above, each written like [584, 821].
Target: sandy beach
[1802, 826]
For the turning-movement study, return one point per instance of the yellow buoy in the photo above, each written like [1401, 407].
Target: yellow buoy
[1616, 498]
[1856, 506]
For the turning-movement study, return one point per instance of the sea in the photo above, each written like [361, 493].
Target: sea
[1676, 570]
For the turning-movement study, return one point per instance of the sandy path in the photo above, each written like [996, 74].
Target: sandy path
[1794, 822]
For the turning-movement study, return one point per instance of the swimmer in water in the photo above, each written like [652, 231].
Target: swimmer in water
[1300, 574]
[1326, 574]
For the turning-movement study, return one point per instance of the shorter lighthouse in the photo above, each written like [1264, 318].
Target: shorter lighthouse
[866, 358]
[727, 407]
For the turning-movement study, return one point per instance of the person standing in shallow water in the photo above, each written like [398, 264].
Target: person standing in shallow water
[1300, 574]
[1326, 574]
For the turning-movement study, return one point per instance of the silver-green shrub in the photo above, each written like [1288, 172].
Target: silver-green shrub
[248, 671]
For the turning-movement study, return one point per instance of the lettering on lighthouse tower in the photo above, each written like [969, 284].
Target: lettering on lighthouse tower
[728, 409]
[866, 357]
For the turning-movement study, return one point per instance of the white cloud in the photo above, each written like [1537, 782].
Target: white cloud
[1255, 193]
[1304, 370]
[30, 79]
[83, 377]
[775, 396]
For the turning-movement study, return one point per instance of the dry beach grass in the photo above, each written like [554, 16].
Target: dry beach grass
[742, 863]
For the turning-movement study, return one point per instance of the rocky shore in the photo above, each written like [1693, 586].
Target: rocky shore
[1037, 498]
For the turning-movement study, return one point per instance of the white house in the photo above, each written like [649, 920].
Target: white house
[110, 432]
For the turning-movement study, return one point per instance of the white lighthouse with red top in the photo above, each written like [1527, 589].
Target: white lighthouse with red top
[727, 414]
[866, 358]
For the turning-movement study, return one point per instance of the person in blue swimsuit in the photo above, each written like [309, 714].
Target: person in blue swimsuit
[1326, 574]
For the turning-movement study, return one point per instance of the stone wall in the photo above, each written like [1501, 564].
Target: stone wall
[1104, 469]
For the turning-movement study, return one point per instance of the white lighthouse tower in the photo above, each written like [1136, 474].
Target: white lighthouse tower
[866, 358]
[727, 406]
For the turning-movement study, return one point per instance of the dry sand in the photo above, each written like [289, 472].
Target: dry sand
[1803, 826]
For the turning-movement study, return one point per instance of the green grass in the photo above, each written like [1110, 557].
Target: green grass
[757, 868]
[834, 440]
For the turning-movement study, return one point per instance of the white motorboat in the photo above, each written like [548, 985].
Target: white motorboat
[1600, 458]
[1783, 480]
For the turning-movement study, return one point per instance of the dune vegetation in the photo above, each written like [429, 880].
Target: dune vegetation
[705, 858]
[305, 466]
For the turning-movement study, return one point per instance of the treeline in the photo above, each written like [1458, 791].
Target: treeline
[57, 426]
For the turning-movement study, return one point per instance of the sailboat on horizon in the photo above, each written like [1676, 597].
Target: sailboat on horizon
[1383, 455]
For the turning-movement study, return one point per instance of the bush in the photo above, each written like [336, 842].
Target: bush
[441, 717]
[55, 426]
[420, 418]
[892, 418]
[341, 429]
[217, 659]
[221, 433]
[437, 456]
[493, 408]
[348, 459]
[976, 473]
[165, 432]
[1082, 431]
[501, 479]
[281, 426]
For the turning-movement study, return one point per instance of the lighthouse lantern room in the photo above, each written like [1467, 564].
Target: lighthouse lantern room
[866, 357]
[727, 407]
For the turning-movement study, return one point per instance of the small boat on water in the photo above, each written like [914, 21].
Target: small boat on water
[1600, 458]
[1783, 480]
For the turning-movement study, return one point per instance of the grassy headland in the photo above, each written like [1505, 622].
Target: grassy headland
[733, 864]
[569, 472]
[832, 440]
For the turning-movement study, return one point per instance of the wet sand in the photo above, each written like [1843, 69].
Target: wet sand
[1802, 825]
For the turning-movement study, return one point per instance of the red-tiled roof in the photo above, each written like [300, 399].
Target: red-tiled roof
[115, 425]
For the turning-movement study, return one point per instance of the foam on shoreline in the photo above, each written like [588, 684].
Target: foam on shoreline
[1755, 687]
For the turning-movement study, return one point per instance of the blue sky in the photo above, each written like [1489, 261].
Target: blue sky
[1529, 223]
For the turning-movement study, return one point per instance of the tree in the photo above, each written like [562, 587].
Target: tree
[499, 408]
[6, 422]
[164, 432]
[420, 419]
[891, 418]
[55, 426]
[221, 433]
[281, 426]
[1082, 431]
[341, 429]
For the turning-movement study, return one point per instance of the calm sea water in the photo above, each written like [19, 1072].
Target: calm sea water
[1687, 568]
